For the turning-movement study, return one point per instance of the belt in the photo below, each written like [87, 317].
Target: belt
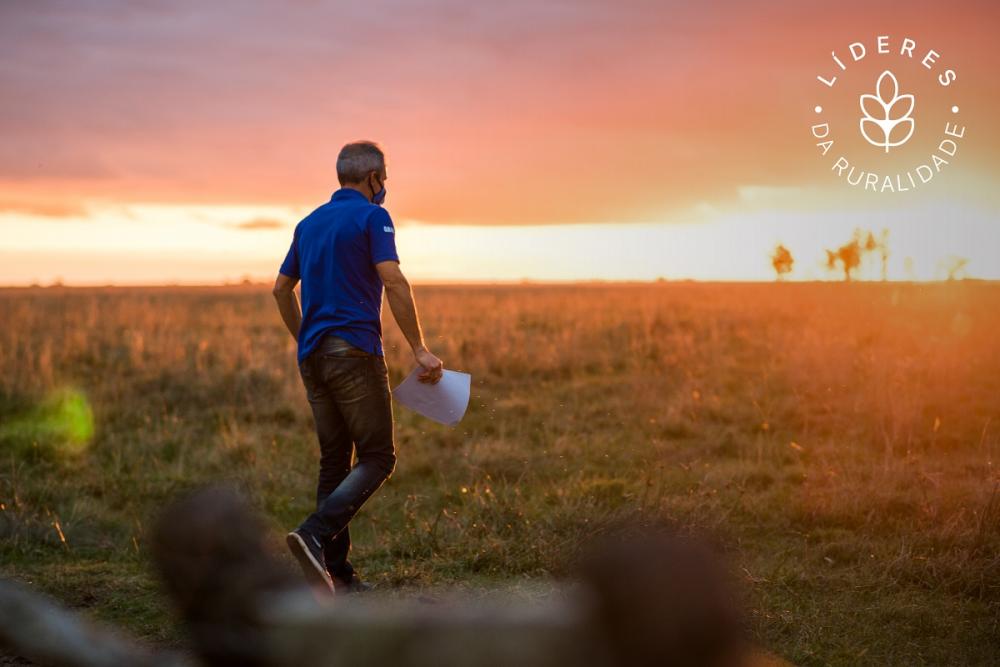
[337, 345]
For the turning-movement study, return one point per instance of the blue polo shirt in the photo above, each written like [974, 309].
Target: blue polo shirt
[334, 252]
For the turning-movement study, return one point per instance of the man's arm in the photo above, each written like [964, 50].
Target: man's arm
[400, 297]
[288, 303]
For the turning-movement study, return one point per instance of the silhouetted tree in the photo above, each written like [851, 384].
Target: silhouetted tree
[879, 246]
[955, 266]
[847, 255]
[870, 243]
[883, 250]
[782, 261]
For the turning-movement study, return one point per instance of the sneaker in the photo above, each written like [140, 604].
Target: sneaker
[308, 550]
[355, 585]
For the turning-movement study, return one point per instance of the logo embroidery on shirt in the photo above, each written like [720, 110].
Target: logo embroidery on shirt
[388, 229]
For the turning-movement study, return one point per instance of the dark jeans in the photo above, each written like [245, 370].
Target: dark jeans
[348, 390]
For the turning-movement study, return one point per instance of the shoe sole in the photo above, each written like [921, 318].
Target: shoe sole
[314, 571]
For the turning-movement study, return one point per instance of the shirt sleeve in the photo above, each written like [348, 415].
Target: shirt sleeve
[290, 267]
[381, 237]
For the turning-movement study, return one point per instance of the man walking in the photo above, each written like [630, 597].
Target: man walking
[344, 252]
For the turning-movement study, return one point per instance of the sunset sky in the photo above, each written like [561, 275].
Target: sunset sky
[182, 141]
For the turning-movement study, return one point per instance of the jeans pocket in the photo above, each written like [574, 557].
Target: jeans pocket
[380, 372]
[307, 373]
[347, 376]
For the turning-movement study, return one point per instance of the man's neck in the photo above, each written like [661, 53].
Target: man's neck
[363, 189]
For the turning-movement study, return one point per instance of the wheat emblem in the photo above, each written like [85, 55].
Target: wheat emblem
[888, 114]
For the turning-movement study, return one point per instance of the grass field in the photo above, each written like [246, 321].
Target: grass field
[841, 441]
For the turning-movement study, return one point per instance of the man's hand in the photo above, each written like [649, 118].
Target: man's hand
[433, 368]
[405, 311]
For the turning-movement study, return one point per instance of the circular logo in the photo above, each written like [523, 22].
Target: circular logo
[885, 117]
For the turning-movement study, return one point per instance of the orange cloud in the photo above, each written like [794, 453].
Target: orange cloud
[45, 209]
[504, 113]
[261, 223]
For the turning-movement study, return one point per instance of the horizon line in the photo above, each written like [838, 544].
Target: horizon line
[499, 283]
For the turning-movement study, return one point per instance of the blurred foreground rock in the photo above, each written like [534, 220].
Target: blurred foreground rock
[641, 597]
[33, 626]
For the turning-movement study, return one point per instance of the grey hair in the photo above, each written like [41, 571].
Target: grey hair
[357, 159]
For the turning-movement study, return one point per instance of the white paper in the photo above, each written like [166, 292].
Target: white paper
[444, 402]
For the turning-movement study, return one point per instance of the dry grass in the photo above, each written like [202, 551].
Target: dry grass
[840, 441]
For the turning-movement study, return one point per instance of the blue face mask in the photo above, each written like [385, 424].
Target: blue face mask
[379, 196]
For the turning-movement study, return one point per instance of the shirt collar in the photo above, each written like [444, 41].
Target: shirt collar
[344, 193]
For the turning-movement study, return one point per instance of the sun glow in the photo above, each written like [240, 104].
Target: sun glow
[154, 243]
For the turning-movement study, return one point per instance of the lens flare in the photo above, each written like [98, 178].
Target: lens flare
[63, 424]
